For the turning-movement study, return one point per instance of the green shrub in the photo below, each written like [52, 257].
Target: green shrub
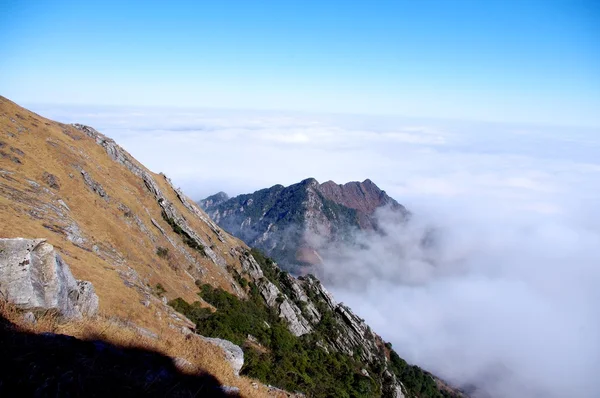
[158, 290]
[292, 363]
[162, 252]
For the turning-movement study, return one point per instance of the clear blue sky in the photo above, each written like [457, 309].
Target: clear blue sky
[521, 61]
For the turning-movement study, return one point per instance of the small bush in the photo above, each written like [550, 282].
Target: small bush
[162, 252]
[158, 290]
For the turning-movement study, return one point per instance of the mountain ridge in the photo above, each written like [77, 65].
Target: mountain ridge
[287, 223]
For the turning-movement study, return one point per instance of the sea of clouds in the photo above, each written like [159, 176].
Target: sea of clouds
[494, 282]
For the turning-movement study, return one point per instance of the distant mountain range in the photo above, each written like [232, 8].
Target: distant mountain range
[291, 223]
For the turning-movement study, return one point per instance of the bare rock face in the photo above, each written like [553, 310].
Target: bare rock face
[233, 353]
[34, 276]
[274, 297]
[365, 197]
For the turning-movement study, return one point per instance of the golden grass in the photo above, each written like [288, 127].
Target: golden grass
[44, 146]
[55, 148]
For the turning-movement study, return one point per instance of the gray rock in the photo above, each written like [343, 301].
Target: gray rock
[114, 151]
[297, 324]
[86, 298]
[29, 318]
[269, 291]
[192, 207]
[34, 276]
[230, 390]
[93, 185]
[299, 295]
[52, 180]
[398, 392]
[63, 204]
[289, 311]
[274, 298]
[250, 265]
[233, 353]
[182, 363]
[391, 386]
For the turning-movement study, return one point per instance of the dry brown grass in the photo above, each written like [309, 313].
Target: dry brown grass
[55, 148]
[46, 147]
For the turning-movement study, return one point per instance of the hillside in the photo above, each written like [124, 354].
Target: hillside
[164, 274]
[290, 223]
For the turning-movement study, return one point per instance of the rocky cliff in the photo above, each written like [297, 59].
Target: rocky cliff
[290, 223]
[142, 243]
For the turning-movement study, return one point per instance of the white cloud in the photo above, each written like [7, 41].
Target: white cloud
[507, 297]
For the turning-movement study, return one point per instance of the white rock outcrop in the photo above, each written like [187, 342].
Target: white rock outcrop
[34, 276]
[233, 353]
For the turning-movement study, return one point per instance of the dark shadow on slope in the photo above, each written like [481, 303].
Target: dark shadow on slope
[51, 365]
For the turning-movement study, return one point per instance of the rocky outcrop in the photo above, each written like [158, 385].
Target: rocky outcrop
[303, 302]
[365, 197]
[192, 207]
[233, 353]
[114, 151]
[34, 276]
[275, 298]
[291, 223]
[93, 185]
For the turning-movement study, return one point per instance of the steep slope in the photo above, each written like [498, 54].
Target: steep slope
[128, 231]
[107, 215]
[142, 243]
[290, 223]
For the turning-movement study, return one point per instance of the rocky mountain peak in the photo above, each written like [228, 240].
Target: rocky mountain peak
[283, 220]
[364, 196]
[309, 182]
[215, 200]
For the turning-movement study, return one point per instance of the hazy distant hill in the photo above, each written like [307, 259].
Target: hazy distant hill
[289, 223]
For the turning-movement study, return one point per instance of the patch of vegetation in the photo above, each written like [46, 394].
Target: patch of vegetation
[414, 378]
[194, 311]
[290, 362]
[162, 252]
[187, 239]
[158, 290]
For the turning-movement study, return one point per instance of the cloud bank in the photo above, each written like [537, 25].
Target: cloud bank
[510, 306]
[494, 282]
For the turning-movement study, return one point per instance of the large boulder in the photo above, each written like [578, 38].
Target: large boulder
[34, 276]
[233, 353]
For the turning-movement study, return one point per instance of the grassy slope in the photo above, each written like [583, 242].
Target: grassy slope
[44, 146]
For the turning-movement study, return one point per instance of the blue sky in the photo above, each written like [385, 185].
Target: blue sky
[517, 61]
